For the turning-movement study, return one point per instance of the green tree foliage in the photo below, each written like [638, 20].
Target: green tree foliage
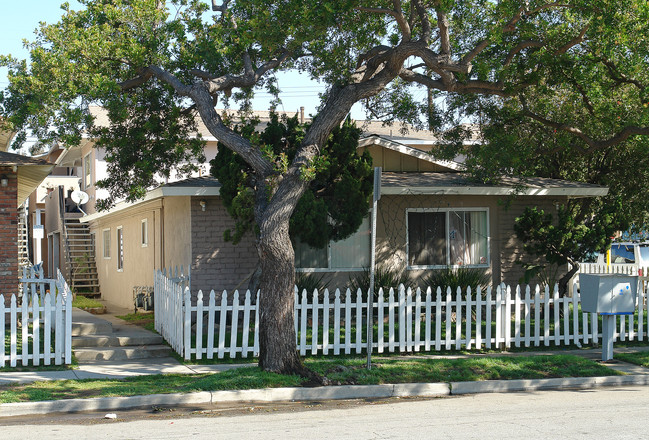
[567, 240]
[337, 199]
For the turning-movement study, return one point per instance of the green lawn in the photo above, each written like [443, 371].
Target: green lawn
[338, 371]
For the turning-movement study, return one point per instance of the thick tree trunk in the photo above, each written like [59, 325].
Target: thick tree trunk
[564, 280]
[277, 347]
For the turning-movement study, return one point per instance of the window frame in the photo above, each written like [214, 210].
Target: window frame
[144, 232]
[119, 231]
[446, 211]
[106, 250]
[87, 170]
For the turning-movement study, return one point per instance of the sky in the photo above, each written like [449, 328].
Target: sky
[19, 19]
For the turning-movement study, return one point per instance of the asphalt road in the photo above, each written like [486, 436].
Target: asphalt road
[616, 413]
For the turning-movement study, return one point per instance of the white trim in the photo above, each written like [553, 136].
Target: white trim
[408, 151]
[320, 270]
[491, 191]
[446, 240]
[157, 193]
[103, 243]
[87, 170]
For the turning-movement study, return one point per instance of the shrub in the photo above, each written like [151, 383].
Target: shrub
[383, 278]
[310, 282]
[460, 277]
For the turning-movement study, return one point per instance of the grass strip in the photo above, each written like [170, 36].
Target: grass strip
[145, 320]
[639, 358]
[338, 371]
[83, 302]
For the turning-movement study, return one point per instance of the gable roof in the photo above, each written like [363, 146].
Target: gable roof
[393, 183]
[398, 147]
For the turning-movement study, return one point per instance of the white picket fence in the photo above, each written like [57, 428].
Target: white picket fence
[223, 325]
[38, 326]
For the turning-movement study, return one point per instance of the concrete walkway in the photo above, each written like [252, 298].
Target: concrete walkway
[634, 375]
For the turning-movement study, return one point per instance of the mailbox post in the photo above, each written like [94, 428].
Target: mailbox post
[609, 295]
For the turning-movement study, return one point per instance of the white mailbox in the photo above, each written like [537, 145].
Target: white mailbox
[608, 294]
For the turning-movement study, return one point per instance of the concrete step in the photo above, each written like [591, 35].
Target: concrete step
[91, 328]
[94, 341]
[122, 353]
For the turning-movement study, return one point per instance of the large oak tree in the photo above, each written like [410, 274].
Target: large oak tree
[155, 65]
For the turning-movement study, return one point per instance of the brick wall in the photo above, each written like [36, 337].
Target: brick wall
[8, 235]
[217, 264]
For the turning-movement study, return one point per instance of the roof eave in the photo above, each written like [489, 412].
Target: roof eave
[494, 191]
[179, 191]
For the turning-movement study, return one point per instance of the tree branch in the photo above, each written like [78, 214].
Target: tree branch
[618, 76]
[444, 38]
[593, 144]
[396, 13]
[426, 31]
[520, 47]
[575, 41]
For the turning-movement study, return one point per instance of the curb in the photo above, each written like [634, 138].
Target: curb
[318, 393]
[207, 397]
[504, 386]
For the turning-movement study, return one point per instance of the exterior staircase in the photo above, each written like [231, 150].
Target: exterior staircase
[23, 238]
[106, 338]
[80, 258]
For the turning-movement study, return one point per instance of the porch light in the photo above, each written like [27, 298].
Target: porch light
[4, 181]
[203, 205]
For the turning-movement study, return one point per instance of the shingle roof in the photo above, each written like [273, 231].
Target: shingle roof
[10, 159]
[460, 183]
[194, 182]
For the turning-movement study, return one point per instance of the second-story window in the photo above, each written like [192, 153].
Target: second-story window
[87, 171]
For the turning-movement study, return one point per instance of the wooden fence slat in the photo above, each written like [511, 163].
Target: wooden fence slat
[348, 322]
[528, 316]
[245, 345]
[517, 315]
[380, 314]
[337, 322]
[359, 320]
[409, 320]
[449, 319]
[391, 334]
[326, 309]
[303, 322]
[316, 323]
[211, 310]
[223, 314]
[458, 319]
[36, 330]
[199, 323]
[417, 319]
[234, 326]
[438, 319]
[478, 318]
[427, 313]
[469, 319]
[489, 305]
